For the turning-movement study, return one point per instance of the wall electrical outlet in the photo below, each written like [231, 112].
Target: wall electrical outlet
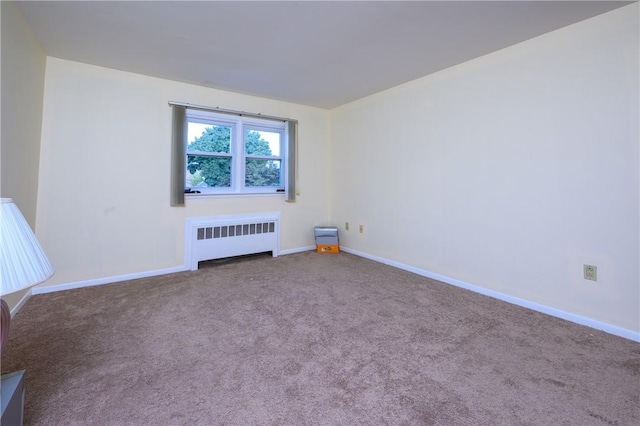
[361, 229]
[346, 226]
[590, 272]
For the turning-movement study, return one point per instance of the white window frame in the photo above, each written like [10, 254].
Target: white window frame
[239, 125]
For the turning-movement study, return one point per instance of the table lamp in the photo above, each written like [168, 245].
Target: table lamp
[22, 261]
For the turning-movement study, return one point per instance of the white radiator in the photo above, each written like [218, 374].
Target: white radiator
[217, 237]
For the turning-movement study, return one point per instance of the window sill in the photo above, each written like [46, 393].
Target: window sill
[233, 195]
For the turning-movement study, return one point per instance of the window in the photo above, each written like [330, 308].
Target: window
[228, 154]
[221, 151]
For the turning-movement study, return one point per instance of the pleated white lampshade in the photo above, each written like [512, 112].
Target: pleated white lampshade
[22, 260]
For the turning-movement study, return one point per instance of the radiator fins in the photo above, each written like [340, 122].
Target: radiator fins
[226, 231]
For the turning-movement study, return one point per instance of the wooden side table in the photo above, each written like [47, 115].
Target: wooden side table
[12, 396]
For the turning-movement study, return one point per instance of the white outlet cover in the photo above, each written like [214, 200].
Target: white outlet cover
[591, 272]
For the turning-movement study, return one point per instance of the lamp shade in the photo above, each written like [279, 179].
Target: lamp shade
[22, 260]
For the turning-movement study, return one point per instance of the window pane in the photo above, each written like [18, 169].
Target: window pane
[260, 142]
[208, 172]
[209, 137]
[262, 172]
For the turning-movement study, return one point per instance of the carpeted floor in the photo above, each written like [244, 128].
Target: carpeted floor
[311, 339]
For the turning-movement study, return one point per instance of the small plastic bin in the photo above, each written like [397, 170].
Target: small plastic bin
[326, 239]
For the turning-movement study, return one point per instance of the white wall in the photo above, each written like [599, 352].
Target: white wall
[23, 69]
[508, 172]
[103, 204]
[22, 77]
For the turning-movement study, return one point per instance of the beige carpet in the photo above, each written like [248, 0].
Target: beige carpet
[311, 339]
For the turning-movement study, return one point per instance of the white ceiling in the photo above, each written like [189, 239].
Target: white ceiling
[318, 53]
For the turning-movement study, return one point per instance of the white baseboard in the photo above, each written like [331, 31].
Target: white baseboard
[589, 322]
[297, 250]
[21, 303]
[106, 280]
